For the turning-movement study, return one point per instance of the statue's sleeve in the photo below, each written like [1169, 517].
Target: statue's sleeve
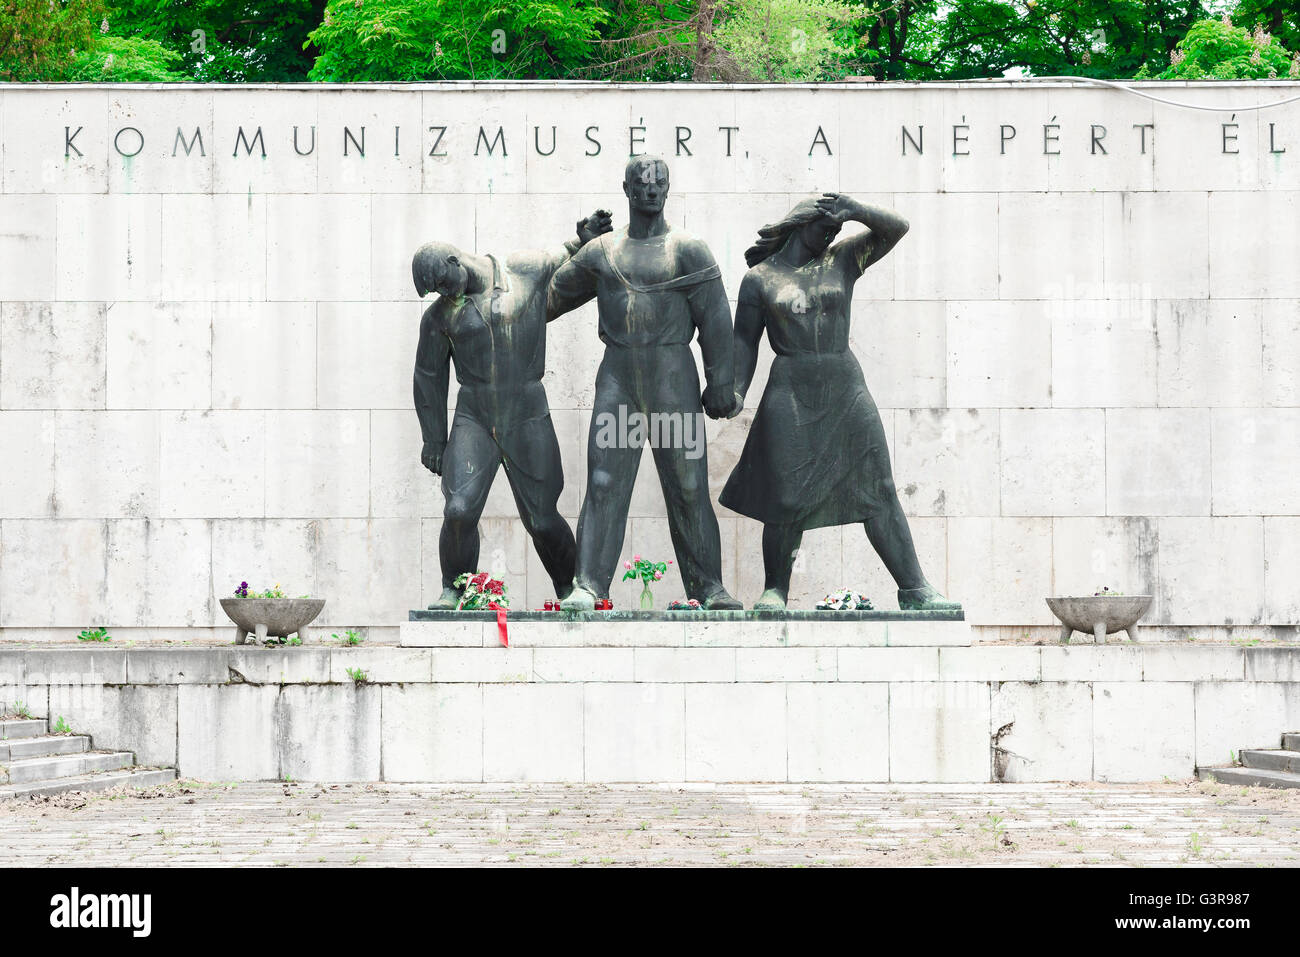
[432, 378]
[572, 284]
[857, 252]
[711, 314]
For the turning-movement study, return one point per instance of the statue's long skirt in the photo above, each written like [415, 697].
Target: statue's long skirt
[816, 453]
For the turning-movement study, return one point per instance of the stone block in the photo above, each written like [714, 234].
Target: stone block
[582, 664]
[1236, 715]
[1053, 461]
[1001, 568]
[247, 746]
[214, 247]
[947, 461]
[482, 153]
[685, 664]
[1171, 444]
[446, 634]
[1281, 559]
[369, 142]
[800, 167]
[160, 141]
[329, 732]
[971, 268]
[401, 224]
[786, 664]
[297, 269]
[1090, 663]
[30, 596]
[159, 573]
[1034, 230]
[279, 666]
[480, 665]
[1280, 322]
[634, 732]
[432, 732]
[1103, 350]
[287, 167]
[136, 718]
[1211, 570]
[888, 664]
[1255, 461]
[250, 341]
[1180, 662]
[1091, 553]
[999, 354]
[736, 732]
[1050, 733]
[71, 117]
[1252, 245]
[1156, 245]
[27, 247]
[263, 553]
[533, 732]
[318, 463]
[837, 732]
[990, 664]
[1223, 163]
[54, 355]
[369, 569]
[365, 353]
[1142, 731]
[84, 667]
[902, 347]
[28, 492]
[177, 666]
[212, 465]
[1271, 664]
[159, 355]
[400, 486]
[106, 464]
[382, 665]
[1211, 352]
[939, 731]
[109, 247]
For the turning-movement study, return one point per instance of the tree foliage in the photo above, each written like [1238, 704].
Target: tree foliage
[455, 39]
[39, 39]
[1216, 50]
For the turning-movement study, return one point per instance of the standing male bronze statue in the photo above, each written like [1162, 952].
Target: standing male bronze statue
[491, 317]
[655, 287]
[816, 453]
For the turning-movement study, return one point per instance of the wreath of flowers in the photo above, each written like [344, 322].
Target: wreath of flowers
[481, 591]
[845, 599]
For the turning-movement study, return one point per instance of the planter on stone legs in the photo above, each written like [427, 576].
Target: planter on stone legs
[1101, 615]
[271, 617]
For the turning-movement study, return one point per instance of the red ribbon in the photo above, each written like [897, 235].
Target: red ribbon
[502, 633]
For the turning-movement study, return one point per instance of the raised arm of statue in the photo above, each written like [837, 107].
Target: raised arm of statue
[432, 380]
[573, 284]
[884, 229]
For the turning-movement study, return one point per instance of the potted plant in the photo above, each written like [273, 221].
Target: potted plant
[270, 613]
[1103, 613]
[648, 572]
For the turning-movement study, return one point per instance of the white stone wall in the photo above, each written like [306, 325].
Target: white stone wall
[1086, 363]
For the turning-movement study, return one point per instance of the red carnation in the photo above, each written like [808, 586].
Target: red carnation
[479, 579]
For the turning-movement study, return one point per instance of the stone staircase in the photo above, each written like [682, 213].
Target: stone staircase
[35, 762]
[1267, 768]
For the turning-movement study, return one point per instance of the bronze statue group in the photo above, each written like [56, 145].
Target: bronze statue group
[815, 454]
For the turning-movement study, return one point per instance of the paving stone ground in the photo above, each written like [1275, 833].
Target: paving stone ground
[272, 824]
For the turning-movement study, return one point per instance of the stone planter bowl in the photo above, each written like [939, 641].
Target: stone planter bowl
[1100, 614]
[271, 617]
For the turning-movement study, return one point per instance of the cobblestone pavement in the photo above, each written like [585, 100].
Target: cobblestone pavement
[1191, 823]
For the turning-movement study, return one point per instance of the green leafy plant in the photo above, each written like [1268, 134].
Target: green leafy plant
[97, 634]
[358, 676]
[1106, 592]
[275, 592]
[1217, 50]
[19, 710]
[60, 727]
[350, 637]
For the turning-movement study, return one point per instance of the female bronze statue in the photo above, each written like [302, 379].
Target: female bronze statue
[816, 452]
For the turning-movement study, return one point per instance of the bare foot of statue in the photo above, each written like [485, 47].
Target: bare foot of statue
[771, 600]
[721, 601]
[925, 598]
[449, 599]
[578, 600]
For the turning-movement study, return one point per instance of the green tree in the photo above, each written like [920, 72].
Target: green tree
[1216, 50]
[39, 39]
[789, 40]
[455, 39]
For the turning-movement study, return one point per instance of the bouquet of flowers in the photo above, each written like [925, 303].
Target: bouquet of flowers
[689, 605]
[844, 600]
[481, 592]
[1106, 592]
[276, 592]
[645, 569]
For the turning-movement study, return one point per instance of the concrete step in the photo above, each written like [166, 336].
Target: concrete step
[49, 744]
[63, 766]
[22, 728]
[1291, 740]
[1271, 760]
[1252, 777]
[100, 781]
